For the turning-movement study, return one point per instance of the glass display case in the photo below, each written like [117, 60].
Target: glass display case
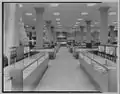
[101, 48]
[108, 51]
[13, 54]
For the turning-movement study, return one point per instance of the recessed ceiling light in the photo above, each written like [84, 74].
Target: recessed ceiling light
[56, 13]
[84, 13]
[59, 25]
[20, 5]
[91, 4]
[96, 22]
[34, 19]
[112, 13]
[75, 25]
[80, 19]
[77, 22]
[28, 14]
[57, 19]
[54, 5]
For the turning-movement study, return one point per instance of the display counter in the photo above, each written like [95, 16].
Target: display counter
[77, 49]
[108, 51]
[52, 52]
[31, 63]
[104, 77]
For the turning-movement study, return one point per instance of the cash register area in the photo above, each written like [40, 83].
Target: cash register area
[57, 59]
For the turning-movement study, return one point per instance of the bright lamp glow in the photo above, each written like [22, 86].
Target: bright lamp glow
[20, 5]
[59, 25]
[77, 22]
[34, 19]
[79, 19]
[56, 13]
[75, 25]
[54, 5]
[96, 22]
[28, 14]
[84, 13]
[91, 4]
[57, 19]
[26, 26]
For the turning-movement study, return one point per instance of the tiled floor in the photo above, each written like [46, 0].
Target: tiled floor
[64, 73]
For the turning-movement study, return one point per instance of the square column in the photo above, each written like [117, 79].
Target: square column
[81, 33]
[76, 34]
[49, 32]
[12, 27]
[39, 27]
[88, 33]
[104, 24]
[53, 34]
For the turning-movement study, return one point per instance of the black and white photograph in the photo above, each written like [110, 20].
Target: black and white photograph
[60, 47]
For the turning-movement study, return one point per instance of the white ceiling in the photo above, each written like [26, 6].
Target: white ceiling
[69, 13]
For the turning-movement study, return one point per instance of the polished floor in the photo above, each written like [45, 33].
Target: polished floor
[64, 73]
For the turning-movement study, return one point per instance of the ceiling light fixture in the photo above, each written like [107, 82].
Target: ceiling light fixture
[20, 5]
[28, 14]
[56, 13]
[75, 25]
[84, 13]
[34, 19]
[57, 19]
[112, 13]
[54, 5]
[77, 22]
[96, 22]
[26, 26]
[59, 25]
[80, 19]
[91, 4]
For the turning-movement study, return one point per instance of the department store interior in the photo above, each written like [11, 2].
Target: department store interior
[60, 46]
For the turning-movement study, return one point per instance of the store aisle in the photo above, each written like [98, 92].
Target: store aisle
[64, 73]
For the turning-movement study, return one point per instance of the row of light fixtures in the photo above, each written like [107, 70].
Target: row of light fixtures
[83, 13]
[57, 19]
